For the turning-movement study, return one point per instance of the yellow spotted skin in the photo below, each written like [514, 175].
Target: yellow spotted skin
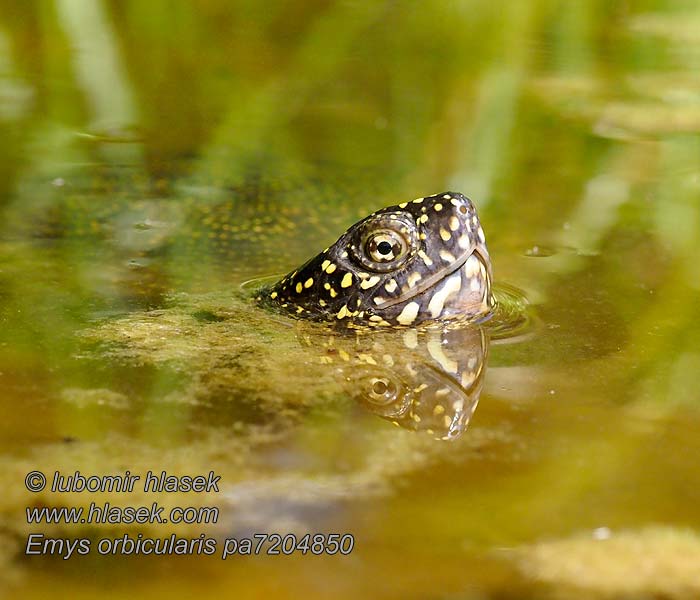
[417, 261]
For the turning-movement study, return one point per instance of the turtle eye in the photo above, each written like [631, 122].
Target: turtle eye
[385, 246]
[384, 242]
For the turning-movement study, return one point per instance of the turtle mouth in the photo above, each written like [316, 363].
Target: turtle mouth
[434, 280]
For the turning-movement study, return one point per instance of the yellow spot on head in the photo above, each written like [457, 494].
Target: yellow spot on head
[273, 295]
[309, 282]
[445, 235]
[298, 288]
[447, 256]
[438, 207]
[464, 241]
[333, 293]
[408, 314]
[390, 285]
[343, 312]
[413, 278]
[347, 280]
[426, 259]
[324, 264]
[371, 282]
[403, 205]
[330, 268]
[418, 200]
[454, 223]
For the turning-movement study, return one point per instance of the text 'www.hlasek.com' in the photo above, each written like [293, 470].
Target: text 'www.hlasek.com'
[98, 514]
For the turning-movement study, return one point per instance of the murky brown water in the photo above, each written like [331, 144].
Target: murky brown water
[156, 156]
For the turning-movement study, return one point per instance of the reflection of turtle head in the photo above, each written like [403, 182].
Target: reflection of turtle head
[426, 380]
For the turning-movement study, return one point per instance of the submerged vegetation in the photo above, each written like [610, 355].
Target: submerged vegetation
[155, 156]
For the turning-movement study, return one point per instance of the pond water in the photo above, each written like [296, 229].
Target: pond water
[157, 156]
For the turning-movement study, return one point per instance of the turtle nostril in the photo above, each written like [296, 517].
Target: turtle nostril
[463, 209]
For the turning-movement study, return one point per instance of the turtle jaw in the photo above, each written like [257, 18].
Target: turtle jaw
[474, 297]
[464, 289]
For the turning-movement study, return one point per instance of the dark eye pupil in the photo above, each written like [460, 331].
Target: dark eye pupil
[384, 248]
